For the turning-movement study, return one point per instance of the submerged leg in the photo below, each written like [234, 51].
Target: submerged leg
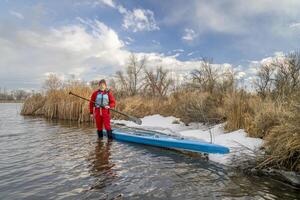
[109, 134]
[99, 123]
[100, 134]
[106, 122]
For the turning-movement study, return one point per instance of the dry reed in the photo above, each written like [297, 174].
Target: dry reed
[283, 141]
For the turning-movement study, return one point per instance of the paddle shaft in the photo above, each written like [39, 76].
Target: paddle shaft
[134, 119]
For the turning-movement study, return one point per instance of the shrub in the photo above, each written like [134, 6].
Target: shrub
[33, 105]
[238, 110]
[197, 107]
[283, 141]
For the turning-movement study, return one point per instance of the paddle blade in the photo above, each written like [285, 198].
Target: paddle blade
[136, 120]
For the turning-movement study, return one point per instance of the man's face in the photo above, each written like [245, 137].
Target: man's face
[102, 86]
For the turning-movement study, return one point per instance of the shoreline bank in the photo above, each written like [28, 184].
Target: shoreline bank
[12, 101]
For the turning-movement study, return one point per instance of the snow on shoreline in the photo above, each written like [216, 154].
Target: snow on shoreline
[197, 131]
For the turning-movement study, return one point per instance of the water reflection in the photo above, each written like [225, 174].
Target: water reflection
[100, 164]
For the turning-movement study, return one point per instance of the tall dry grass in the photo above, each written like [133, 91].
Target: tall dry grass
[277, 122]
[252, 113]
[238, 109]
[33, 105]
[283, 140]
[189, 106]
[58, 104]
[267, 114]
[194, 106]
[140, 106]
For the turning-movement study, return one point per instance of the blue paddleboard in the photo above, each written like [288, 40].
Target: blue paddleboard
[169, 142]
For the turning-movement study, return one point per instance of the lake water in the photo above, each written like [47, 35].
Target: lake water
[42, 159]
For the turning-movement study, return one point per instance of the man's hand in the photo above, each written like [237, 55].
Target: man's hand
[107, 107]
[92, 115]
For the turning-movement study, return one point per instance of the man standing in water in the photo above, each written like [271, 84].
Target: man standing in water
[101, 101]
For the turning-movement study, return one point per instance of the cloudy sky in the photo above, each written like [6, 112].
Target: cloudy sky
[89, 39]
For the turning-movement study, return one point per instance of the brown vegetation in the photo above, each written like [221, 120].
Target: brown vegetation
[58, 104]
[212, 96]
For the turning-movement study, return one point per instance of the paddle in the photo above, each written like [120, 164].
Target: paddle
[131, 118]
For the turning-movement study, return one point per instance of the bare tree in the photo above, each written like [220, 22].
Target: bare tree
[20, 94]
[227, 82]
[287, 78]
[280, 78]
[132, 81]
[52, 82]
[294, 70]
[265, 80]
[122, 80]
[205, 77]
[157, 82]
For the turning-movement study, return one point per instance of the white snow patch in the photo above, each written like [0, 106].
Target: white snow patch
[158, 123]
[198, 131]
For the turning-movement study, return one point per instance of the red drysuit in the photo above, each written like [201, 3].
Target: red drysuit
[102, 115]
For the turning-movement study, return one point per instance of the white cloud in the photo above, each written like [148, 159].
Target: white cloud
[108, 3]
[128, 40]
[138, 20]
[122, 9]
[16, 14]
[85, 49]
[191, 53]
[178, 50]
[179, 67]
[156, 42]
[235, 17]
[240, 75]
[278, 56]
[248, 73]
[88, 50]
[295, 25]
[189, 34]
